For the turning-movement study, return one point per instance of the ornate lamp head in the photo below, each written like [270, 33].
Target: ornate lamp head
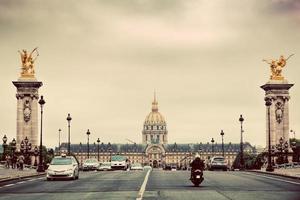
[222, 132]
[69, 118]
[4, 139]
[241, 119]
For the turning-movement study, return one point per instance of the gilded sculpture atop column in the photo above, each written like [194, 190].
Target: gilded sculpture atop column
[27, 61]
[276, 67]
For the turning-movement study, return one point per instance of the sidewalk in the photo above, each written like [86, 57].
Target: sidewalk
[11, 174]
[288, 172]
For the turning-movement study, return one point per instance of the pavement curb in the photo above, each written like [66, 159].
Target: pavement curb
[20, 177]
[275, 174]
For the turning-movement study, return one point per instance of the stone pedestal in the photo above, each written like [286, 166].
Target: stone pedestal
[278, 92]
[27, 110]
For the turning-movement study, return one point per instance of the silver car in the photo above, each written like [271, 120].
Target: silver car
[63, 167]
[217, 162]
[90, 164]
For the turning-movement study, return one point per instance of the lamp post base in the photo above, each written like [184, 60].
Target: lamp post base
[270, 169]
[40, 168]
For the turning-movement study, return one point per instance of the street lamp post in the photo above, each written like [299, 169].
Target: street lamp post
[25, 148]
[212, 146]
[222, 135]
[268, 103]
[294, 133]
[98, 141]
[286, 151]
[59, 130]
[13, 148]
[4, 139]
[36, 153]
[280, 148]
[41, 166]
[69, 118]
[241, 119]
[88, 143]
[110, 150]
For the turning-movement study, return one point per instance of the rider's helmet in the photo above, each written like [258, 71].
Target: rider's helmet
[197, 155]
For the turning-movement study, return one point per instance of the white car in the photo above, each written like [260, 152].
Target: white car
[217, 162]
[136, 166]
[90, 164]
[63, 167]
[147, 167]
[106, 166]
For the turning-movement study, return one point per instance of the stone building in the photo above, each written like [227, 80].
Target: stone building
[154, 149]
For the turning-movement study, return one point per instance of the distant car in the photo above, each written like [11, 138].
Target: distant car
[136, 166]
[217, 162]
[173, 168]
[63, 167]
[90, 164]
[106, 166]
[147, 167]
[167, 167]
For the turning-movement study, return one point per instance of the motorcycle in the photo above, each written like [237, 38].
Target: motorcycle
[197, 177]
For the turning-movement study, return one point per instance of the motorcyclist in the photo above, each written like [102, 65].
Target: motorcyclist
[197, 164]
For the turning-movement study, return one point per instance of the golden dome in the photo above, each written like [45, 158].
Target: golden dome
[154, 118]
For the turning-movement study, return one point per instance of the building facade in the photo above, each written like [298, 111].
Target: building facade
[154, 149]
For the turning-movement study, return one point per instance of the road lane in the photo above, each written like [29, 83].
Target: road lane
[219, 185]
[91, 185]
[161, 185]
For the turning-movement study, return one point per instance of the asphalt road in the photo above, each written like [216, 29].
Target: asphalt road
[160, 185]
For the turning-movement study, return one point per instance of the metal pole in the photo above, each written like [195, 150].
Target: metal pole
[69, 137]
[241, 145]
[41, 166]
[88, 147]
[69, 118]
[98, 141]
[59, 130]
[222, 134]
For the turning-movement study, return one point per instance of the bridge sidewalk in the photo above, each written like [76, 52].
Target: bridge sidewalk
[288, 172]
[13, 174]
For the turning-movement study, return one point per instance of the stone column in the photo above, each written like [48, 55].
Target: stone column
[278, 92]
[27, 110]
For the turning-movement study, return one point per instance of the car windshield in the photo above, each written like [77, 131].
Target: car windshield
[61, 161]
[105, 164]
[90, 161]
[219, 159]
[118, 158]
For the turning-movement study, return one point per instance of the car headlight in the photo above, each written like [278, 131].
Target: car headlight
[49, 170]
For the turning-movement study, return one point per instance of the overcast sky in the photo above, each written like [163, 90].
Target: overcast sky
[102, 60]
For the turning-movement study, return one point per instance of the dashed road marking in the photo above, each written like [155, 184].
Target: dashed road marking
[21, 182]
[143, 187]
[8, 185]
[278, 179]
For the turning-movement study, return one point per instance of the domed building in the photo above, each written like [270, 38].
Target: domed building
[155, 127]
[155, 150]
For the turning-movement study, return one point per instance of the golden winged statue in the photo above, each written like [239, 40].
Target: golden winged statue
[276, 67]
[27, 61]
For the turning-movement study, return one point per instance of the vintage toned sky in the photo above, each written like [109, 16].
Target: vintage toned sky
[102, 60]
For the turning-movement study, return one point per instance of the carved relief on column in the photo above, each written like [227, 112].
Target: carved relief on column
[19, 118]
[34, 120]
[286, 119]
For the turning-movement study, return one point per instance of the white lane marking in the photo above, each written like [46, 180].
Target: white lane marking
[143, 187]
[292, 182]
[8, 185]
[21, 182]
